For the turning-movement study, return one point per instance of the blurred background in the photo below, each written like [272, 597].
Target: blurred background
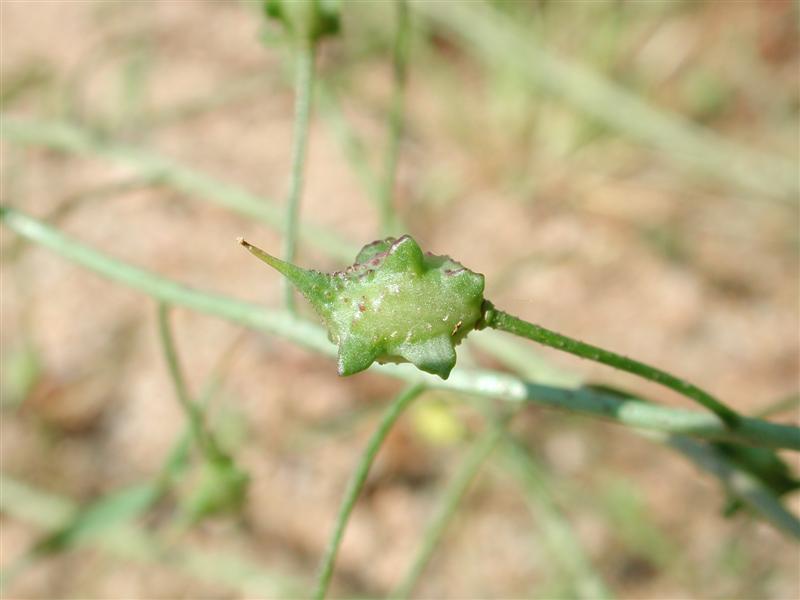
[622, 172]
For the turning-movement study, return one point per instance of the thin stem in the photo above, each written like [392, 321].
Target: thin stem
[631, 412]
[356, 483]
[503, 321]
[304, 86]
[446, 510]
[177, 459]
[193, 413]
[400, 71]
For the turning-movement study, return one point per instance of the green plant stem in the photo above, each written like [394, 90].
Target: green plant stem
[400, 74]
[356, 483]
[500, 320]
[178, 458]
[626, 411]
[194, 415]
[447, 507]
[304, 89]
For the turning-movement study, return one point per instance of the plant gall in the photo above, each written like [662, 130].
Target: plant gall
[395, 304]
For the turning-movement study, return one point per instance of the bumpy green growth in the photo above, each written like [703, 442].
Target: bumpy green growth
[395, 304]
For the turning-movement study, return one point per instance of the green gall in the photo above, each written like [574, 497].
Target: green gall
[395, 304]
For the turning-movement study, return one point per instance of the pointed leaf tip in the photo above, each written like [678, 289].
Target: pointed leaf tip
[311, 284]
[263, 255]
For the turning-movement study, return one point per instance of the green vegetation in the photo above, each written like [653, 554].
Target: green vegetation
[398, 313]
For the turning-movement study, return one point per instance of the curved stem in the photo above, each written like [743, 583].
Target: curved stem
[193, 412]
[304, 85]
[356, 483]
[498, 319]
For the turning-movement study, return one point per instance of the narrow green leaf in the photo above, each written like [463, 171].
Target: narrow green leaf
[97, 518]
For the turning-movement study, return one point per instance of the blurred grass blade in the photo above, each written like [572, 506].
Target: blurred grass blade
[446, 509]
[100, 521]
[178, 458]
[194, 415]
[353, 147]
[790, 402]
[743, 485]
[69, 138]
[631, 412]
[556, 531]
[23, 502]
[20, 371]
[221, 485]
[502, 42]
[97, 518]
[356, 483]
[20, 501]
